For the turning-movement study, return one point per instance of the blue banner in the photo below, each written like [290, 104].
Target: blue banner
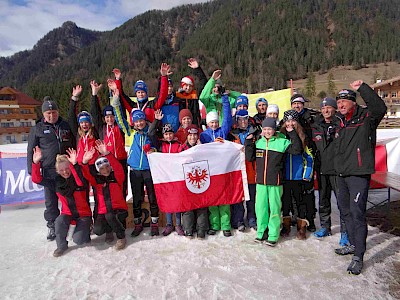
[16, 186]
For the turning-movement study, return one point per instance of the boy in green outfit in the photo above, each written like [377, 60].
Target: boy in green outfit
[268, 152]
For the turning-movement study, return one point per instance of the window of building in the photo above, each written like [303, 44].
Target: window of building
[385, 94]
[7, 124]
[10, 139]
[4, 111]
[24, 137]
[25, 111]
[394, 94]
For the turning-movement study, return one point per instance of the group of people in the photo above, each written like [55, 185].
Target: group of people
[282, 156]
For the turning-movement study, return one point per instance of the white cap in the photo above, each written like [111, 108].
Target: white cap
[273, 108]
[212, 116]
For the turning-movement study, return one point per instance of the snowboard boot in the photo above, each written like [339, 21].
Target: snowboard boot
[301, 229]
[121, 244]
[109, 237]
[270, 243]
[242, 228]
[51, 233]
[154, 228]
[138, 227]
[286, 223]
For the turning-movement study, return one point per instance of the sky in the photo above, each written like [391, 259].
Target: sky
[24, 22]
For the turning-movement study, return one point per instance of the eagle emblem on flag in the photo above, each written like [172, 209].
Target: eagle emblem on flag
[197, 176]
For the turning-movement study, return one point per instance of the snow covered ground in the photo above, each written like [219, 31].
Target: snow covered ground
[175, 267]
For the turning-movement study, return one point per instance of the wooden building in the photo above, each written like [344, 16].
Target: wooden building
[17, 115]
[389, 90]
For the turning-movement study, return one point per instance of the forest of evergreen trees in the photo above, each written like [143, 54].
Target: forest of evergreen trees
[257, 43]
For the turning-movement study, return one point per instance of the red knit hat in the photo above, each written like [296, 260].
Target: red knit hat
[191, 129]
[185, 113]
[187, 80]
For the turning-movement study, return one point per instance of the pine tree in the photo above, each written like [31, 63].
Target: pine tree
[310, 85]
[331, 85]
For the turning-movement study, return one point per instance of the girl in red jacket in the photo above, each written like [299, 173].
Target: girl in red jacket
[108, 183]
[169, 144]
[71, 189]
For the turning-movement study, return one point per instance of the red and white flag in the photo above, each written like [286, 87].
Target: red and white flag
[205, 175]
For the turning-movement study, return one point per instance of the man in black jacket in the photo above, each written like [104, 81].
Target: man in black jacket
[323, 129]
[355, 162]
[53, 135]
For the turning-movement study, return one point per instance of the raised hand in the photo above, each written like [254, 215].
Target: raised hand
[217, 74]
[101, 147]
[355, 85]
[193, 63]
[76, 91]
[111, 84]
[95, 87]
[88, 155]
[165, 69]
[158, 114]
[37, 154]
[72, 156]
[117, 73]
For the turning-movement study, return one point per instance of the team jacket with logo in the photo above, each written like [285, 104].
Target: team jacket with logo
[72, 192]
[269, 156]
[52, 139]
[356, 138]
[108, 189]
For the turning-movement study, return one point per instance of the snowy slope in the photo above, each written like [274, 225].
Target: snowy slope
[175, 267]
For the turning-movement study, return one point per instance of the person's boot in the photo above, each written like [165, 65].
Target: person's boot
[51, 233]
[286, 223]
[201, 234]
[311, 225]
[179, 230]
[121, 243]
[212, 232]
[227, 233]
[355, 266]
[109, 237]
[58, 252]
[344, 239]
[138, 227]
[301, 229]
[168, 230]
[154, 228]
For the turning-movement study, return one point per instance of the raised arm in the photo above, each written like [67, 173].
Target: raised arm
[199, 73]
[73, 109]
[376, 105]
[126, 102]
[95, 109]
[118, 109]
[205, 95]
[227, 120]
[164, 71]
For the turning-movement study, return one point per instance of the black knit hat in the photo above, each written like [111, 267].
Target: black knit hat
[290, 115]
[269, 122]
[329, 102]
[49, 104]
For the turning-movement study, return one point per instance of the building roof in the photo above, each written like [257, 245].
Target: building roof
[385, 82]
[20, 97]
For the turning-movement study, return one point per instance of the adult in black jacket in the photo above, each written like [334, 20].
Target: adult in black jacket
[355, 162]
[54, 136]
[324, 127]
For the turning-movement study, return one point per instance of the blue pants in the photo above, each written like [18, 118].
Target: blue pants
[177, 219]
[352, 201]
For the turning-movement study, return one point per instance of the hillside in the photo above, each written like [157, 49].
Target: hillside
[343, 75]
[257, 44]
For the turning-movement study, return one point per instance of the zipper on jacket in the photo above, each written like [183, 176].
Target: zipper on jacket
[265, 164]
[359, 157]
